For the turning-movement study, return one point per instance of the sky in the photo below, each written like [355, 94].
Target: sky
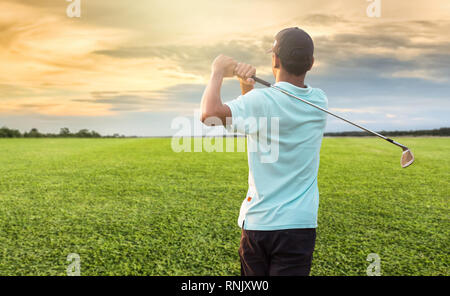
[132, 67]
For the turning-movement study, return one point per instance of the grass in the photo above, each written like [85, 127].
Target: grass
[134, 207]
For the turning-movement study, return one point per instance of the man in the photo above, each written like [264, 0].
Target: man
[279, 214]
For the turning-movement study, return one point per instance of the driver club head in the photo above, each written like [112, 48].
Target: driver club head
[407, 158]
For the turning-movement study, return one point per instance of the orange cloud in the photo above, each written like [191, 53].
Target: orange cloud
[49, 59]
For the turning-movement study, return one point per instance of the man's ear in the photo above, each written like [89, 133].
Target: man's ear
[312, 63]
[275, 64]
[276, 61]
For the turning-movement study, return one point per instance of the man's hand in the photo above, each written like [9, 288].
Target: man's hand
[245, 73]
[224, 66]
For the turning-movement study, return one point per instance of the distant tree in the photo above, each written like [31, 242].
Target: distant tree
[83, 133]
[9, 133]
[64, 132]
[33, 133]
[6, 132]
[442, 132]
[94, 134]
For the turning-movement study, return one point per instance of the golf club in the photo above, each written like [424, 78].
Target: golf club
[407, 157]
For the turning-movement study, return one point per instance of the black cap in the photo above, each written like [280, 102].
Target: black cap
[293, 44]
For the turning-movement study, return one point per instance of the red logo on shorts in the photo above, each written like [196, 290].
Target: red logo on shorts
[249, 198]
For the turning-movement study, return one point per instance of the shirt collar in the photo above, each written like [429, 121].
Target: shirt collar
[294, 89]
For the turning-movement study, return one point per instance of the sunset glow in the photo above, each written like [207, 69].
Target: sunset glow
[145, 62]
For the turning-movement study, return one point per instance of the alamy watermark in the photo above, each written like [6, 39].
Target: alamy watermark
[374, 8]
[74, 268]
[262, 136]
[74, 8]
[374, 268]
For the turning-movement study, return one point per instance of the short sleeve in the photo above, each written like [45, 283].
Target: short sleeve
[245, 112]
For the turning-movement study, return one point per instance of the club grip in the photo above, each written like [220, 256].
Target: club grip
[263, 82]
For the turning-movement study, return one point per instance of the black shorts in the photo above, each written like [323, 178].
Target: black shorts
[277, 252]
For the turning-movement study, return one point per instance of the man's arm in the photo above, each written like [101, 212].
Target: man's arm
[211, 105]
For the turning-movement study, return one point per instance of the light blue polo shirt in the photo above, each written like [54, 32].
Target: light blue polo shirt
[284, 136]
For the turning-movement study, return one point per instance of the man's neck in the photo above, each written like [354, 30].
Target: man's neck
[298, 81]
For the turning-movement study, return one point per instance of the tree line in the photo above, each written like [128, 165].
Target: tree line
[6, 132]
[441, 132]
[85, 133]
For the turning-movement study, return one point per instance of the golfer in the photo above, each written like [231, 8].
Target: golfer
[278, 217]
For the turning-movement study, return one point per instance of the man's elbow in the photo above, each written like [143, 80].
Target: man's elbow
[206, 118]
[211, 119]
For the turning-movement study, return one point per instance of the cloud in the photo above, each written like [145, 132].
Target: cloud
[319, 19]
[388, 49]
[116, 101]
[154, 57]
[196, 59]
[179, 98]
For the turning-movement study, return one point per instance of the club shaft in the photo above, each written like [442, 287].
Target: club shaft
[263, 82]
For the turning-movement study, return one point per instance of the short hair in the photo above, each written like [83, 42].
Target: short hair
[299, 64]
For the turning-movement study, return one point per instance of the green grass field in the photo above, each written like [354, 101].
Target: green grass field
[134, 207]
